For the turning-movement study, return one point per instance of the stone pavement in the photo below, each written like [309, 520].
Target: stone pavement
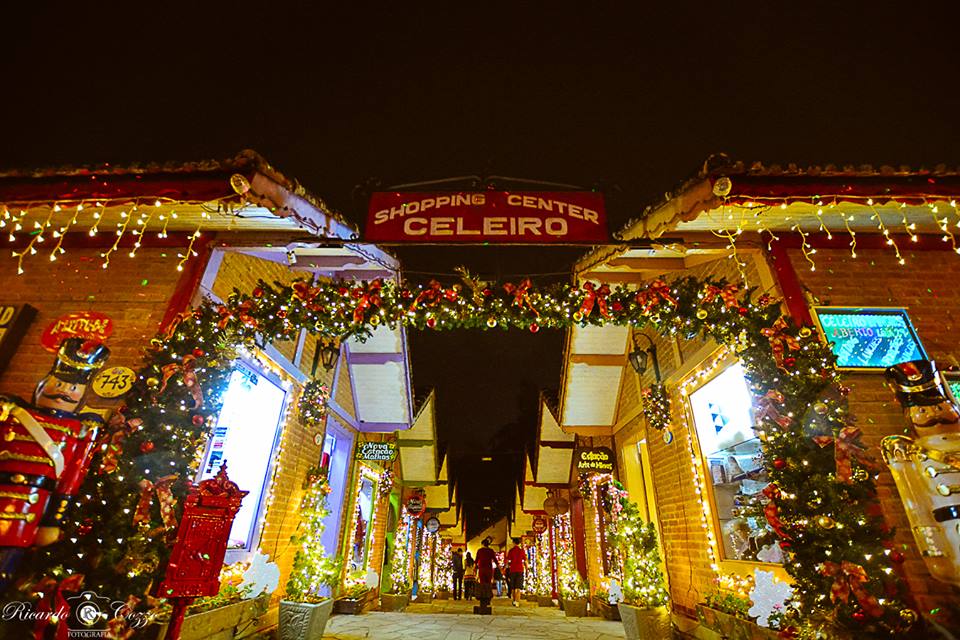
[454, 620]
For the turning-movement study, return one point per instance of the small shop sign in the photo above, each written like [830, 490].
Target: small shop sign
[594, 460]
[432, 524]
[90, 325]
[539, 524]
[377, 451]
[487, 216]
[114, 382]
[416, 504]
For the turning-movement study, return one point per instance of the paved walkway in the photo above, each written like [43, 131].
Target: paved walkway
[454, 620]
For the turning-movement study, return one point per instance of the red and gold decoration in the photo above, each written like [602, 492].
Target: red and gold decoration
[45, 452]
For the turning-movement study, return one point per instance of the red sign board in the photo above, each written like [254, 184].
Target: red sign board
[539, 525]
[416, 505]
[487, 216]
[84, 324]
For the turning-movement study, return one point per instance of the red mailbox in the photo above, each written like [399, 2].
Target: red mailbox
[197, 556]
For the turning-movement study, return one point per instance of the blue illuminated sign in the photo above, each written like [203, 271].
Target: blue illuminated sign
[869, 338]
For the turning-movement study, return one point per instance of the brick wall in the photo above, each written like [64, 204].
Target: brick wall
[133, 292]
[927, 286]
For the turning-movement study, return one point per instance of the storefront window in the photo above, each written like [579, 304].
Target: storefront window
[734, 465]
[361, 532]
[245, 437]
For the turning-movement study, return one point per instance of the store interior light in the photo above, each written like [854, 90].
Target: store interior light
[486, 459]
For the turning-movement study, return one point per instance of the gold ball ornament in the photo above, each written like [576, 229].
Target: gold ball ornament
[805, 332]
[826, 522]
[153, 383]
[860, 474]
[908, 617]
[491, 322]
[702, 314]
[820, 408]
[577, 316]
[374, 320]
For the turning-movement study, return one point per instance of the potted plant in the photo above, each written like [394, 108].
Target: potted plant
[605, 600]
[356, 594]
[307, 605]
[643, 611]
[729, 615]
[574, 590]
[232, 608]
[399, 596]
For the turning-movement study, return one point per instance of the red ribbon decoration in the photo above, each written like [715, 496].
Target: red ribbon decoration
[728, 294]
[367, 300]
[164, 496]
[772, 511]
[848, 449]
[53, 603]
[118, 627]
[595, 296]
[766, 409]
[780, 340]
[849, 578]
[656, 291]
[304, 292]
[521, 294]
[175, 323]
[112, 440]
[431, 295]
[190, 380]
[242, 313]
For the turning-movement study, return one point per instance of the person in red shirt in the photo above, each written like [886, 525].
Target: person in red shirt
[486, 559]
[515, 562]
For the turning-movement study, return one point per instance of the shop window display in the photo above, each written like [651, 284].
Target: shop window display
[363, 521]
[734, 464]
[245, 437]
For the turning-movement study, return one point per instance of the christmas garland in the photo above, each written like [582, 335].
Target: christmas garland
[312, 404]
[656, 406]
[821, 500]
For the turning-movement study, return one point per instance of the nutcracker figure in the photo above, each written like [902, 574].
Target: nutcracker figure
[926, 465]
[45, 449]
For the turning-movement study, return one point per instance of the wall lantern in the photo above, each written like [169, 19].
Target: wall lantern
[326, 353]
[639, 356]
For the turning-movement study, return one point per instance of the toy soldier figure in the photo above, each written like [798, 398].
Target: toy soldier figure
[45, 450]
[926, 465]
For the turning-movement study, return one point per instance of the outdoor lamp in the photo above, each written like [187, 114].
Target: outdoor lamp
[326, 354]
[638, 357]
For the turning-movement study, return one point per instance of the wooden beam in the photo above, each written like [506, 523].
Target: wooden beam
[589, 430]
[599, 359]
[654, 263]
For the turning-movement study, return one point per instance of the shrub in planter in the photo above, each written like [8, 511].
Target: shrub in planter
[305, 609]
[394, 601]
[399, 595]
[544, 601]
[356, 597]
[575, 592]
[643, 611]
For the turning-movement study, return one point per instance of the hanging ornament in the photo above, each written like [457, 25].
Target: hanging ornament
[197, 420]
[702, 314]
[821, 408]
[491, 322]
[908, 617]
[742, 311]
[153, 383]
[534, 328]
[374, 320]
[789, 362]
[779, 464]
[146, 446]
[577, 316]
[257, 292]
[431, 322]
[826, 522]
[804, 332]
[896, 556]
[198, 353]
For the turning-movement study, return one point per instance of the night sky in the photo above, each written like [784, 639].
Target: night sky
[631, 102]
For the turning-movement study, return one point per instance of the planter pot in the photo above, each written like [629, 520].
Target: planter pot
[645, 624]
[575, 608]
[730, 626]
[560, 602]
[222, 622]
[354, 606]
[303, 620]
[544, 601]
[604, 609]
[394, 601]
[424, 597]
[530, 597]
[443, 594]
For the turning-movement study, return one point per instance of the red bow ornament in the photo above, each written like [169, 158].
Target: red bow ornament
[849, 578]
[595, 296]
[242, 313]
[368, 299]
[727, 293]
[429, 296]
[653, 294]
[521, 294]
[190, 380]
[780, 340]
[772, 511]
[848, 449]
[163, 489]
[52, 603]
[111, 442]
[766, 408]
[303, 292]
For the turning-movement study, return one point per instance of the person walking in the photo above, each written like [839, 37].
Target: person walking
[457, 573]
[469, 576]
[486, 560]
[515, 565]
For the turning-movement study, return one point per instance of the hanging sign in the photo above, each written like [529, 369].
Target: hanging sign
[432, 524]
[539, 525]
[594, 460]
[416, 504]
[113, 382]
[487, 216]
[14, 320]
[869, 338]
[376, 451]
[84, 324]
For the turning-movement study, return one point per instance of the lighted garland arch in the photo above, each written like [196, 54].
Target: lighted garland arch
[829, 523]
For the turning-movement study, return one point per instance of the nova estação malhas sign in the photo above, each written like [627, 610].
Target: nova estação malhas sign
[487, 216]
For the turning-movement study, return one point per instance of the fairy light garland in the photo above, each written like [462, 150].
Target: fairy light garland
[443, 574]
[569, 581]
[425, 568]
[364, 472]
[400, 562]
